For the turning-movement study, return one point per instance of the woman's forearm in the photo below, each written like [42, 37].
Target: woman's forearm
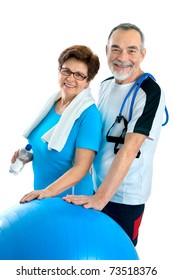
[82, 164]
[66, 181]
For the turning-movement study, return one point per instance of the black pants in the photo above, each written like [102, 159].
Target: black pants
[127, 216]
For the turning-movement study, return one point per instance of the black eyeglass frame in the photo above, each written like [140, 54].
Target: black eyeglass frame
[82, 76]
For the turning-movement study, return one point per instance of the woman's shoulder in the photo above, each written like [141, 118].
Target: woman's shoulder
[91, 117]
[91, 110]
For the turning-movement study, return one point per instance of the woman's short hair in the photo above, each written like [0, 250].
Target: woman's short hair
[84, 54]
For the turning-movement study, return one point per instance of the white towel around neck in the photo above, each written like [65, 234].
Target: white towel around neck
[57, 135]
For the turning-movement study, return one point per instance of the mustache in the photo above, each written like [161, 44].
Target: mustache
[121, 63]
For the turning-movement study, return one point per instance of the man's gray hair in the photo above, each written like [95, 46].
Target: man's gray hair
[129, 26]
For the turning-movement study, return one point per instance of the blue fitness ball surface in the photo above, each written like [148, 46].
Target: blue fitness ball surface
[52, 229]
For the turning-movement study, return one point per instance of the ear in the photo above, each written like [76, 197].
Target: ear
[87, 85]
[143, 53]
[106, 49]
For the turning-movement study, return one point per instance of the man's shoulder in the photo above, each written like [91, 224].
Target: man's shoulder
[107, 84]
[108, 79]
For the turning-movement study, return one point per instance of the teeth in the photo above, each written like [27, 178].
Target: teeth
[69, 85]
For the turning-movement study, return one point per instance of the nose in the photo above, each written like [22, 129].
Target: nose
[70, 77]
[123, 55]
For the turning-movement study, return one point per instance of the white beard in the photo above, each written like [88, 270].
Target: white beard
[122, 76]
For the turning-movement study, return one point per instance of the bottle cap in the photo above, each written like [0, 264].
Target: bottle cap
[28, 147]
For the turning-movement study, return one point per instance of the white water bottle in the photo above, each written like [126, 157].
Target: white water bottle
[25, 155]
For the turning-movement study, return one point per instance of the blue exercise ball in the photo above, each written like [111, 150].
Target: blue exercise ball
[52, 229]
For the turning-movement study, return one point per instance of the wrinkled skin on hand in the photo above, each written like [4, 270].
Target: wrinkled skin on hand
[94, 201]
[40, 194]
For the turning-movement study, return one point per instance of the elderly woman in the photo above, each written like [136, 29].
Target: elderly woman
[66, 134]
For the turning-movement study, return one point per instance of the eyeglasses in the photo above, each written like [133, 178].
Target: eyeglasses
[77, 75]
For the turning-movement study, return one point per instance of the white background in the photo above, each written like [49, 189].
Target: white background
[32, 34]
